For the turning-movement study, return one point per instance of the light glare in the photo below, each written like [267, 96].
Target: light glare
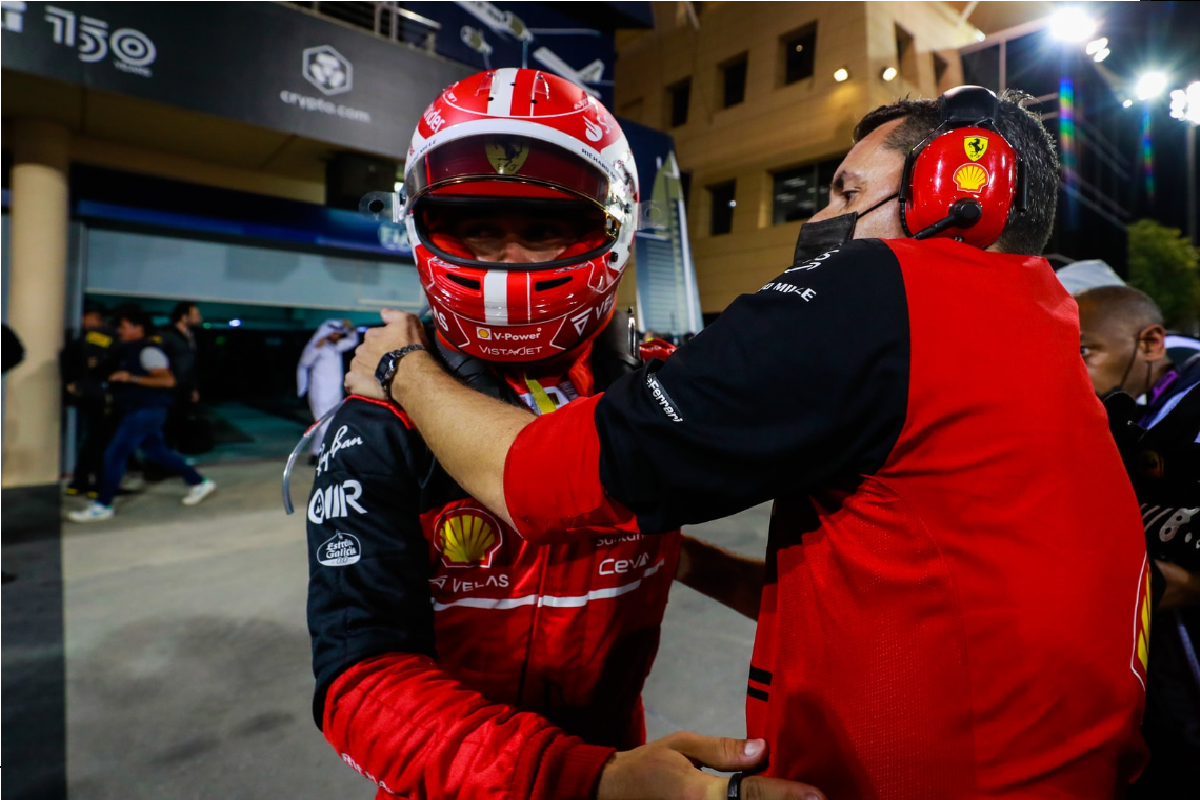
[1095, 46]
[1127, 104]
[1185, 105]
[888, 74]
[1103, 54]
[1152, 84]
[980, 36]
[1072, 25]
[235, 323]
[841, 75]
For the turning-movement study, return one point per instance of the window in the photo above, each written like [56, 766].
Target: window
[940, 65]
[723, 203]
[906, 54]
[733, 75]
[803, 191]
[678, 96]
[685, 186]
[799, 53]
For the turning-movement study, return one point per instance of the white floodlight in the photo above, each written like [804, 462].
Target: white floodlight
[1185, 104]
[1151, 85]
[1072, 25]
[1096, 46]
[1127, 104]
[841, 75]
[889, 73]
[235, 323]
[980, 36]
[1103, 54]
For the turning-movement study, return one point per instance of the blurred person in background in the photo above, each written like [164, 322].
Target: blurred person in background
[178, 341]
[955, 584]
[85, 369]
[320, 373]
[1124, 347]
[141, 388]
[453, 658]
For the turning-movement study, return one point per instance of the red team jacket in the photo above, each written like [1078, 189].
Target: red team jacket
[436, 629]
[957, 599]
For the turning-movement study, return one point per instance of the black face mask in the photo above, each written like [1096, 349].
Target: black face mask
[830, 234]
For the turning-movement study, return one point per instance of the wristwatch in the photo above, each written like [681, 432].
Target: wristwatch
[386, 371]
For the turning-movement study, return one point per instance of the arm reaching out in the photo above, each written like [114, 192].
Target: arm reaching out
[732, 580]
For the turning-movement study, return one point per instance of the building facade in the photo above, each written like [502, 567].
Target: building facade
[762, 99]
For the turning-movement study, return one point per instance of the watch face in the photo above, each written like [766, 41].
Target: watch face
[387, 366]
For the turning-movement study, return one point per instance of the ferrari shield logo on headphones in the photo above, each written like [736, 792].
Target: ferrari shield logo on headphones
[975, 146]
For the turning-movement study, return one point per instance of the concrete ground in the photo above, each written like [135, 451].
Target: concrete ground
[187, 654]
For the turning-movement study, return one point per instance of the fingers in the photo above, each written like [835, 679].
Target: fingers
[718, 752]
[757, 787]
[391, 315]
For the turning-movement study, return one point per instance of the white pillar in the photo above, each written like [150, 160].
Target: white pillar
[37, 286]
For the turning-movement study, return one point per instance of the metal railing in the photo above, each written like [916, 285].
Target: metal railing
[388, 20]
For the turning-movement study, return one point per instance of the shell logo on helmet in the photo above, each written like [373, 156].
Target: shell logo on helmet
[971, 178]
[468, 537]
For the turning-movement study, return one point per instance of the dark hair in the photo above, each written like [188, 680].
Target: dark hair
[1026, 233]
[180, 311]
[134, 315]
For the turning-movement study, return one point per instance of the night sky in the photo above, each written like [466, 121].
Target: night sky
[1163, 36]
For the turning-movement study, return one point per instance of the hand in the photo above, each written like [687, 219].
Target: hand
[400, 330]
[1183, 587]
[668, 769]
[120, 377]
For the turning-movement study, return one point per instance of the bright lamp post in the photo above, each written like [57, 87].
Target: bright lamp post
[1185, 106]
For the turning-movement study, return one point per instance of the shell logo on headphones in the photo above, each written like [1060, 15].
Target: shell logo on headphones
[971, 178]
[975, 146]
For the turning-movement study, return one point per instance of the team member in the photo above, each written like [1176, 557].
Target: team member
[141, 390]
[179, 343]
[320, 372]
[956, 578]
[85, 368]
[1123, 344]
[453, 658]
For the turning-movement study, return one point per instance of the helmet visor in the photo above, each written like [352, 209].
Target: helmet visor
[514, 165]
[513, 233]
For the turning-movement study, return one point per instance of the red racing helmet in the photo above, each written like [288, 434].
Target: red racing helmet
[537, 151]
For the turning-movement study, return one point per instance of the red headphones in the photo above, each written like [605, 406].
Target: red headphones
[962, 180]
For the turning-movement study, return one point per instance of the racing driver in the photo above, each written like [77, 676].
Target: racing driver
[453, 658]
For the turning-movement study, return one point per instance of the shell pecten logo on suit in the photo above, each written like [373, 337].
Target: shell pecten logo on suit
[468, 537]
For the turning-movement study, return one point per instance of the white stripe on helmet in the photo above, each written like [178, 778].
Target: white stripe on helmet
[500, 103]
[495, 297]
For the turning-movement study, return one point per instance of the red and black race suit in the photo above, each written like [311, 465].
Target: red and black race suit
[452, 657]
[957, 598]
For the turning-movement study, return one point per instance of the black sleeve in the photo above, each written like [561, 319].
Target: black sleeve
[797, 385]
[368, 588]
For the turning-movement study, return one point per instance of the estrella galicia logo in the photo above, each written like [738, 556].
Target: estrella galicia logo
[328, 70]
[340, 551]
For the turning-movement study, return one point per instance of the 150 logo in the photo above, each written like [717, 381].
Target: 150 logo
[133, 50]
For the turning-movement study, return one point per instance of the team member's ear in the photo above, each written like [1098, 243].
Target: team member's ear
[1152, 343]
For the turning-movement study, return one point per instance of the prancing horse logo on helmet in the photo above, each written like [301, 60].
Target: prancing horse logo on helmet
[506, 156]
[975, 146]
